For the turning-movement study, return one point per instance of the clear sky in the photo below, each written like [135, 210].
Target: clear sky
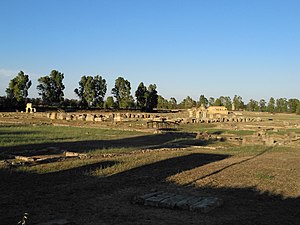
[186, 47]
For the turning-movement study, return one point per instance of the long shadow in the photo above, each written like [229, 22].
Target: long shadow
[231, 165]
[89, 145]
[84, 199]
[2, 133]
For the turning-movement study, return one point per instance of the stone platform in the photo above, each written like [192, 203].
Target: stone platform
[162, 199]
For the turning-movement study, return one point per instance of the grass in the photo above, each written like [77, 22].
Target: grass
[240, 132]
[20, 135]
[286, 131]
[253, 149]
[105, 184]
[212, 129]
[264, 176]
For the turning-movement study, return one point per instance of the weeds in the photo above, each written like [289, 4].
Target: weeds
[264, 176]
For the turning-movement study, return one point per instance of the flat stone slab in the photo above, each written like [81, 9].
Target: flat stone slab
[169, 200]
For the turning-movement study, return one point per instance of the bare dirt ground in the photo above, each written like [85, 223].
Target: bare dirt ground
[258, 184]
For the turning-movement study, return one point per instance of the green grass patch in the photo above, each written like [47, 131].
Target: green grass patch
[264, 176]
[255, 149]
[113, 150]
[20, 135]
[197, 127]
[285, 131]
[240, 132]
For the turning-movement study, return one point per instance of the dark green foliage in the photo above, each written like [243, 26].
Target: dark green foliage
[292, 105]
[252, 105]
[165, 104]
[226, 101]
[218, 102]
[109, 103]
[211, 101]
[238, 102]
[70, 103]
[140, 95]
[203, 101]
[271, 105]
[91, 91]
[151, 98]
[173, 103]
[281, 105]
[188, 103]
[162, 103]
[298, 109]
[51, 88]
[17, 90]
[121, 92]
[262, 105]
[148, 99]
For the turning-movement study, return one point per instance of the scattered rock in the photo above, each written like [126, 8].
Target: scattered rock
[75, 154]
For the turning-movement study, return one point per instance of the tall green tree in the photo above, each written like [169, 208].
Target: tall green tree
[51, 87]
[252, 105]
[18, 87]
[148, 99]
[121, 92]
[238, 102]
[226, 101]
[162, 103]
[271, 105]
[173, 103]
[218, 102]
[109, 103]
[203, 101]
[91, 91]
[211, 101]
[292, 105]
[281, 105]
[100, 87]
[141, 94]
[298, 109]
[262, 105]
[188, 103]
[152, 98]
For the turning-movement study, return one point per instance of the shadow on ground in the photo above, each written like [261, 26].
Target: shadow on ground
[75, 195]
[151, 141]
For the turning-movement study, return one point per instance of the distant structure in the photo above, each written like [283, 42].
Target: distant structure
[214, 114]
[217, 110]
[233, 107]
[210, 112]
[29, 108]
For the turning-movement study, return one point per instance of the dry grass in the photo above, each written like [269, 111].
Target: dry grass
[258, 184]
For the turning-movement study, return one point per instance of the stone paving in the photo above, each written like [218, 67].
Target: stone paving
[162, 199]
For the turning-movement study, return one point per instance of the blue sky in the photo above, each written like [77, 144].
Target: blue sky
[186, 47]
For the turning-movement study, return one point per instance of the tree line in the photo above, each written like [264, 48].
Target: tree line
[92, 90]
[280, 105]
[91, 93]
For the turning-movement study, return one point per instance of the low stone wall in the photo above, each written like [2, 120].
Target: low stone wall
[224, 119]
[94, 117]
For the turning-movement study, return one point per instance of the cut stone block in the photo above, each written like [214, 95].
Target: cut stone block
[154, 201]
[206, 204]
[177, 201]
[171, 202]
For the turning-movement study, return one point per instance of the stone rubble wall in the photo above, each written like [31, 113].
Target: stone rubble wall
[119, 117]
[202, 115]
[96, 117]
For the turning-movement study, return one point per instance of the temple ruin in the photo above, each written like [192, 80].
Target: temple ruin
[29, 108]
[213, 114]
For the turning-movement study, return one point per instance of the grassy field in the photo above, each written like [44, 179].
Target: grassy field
[258, 184]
